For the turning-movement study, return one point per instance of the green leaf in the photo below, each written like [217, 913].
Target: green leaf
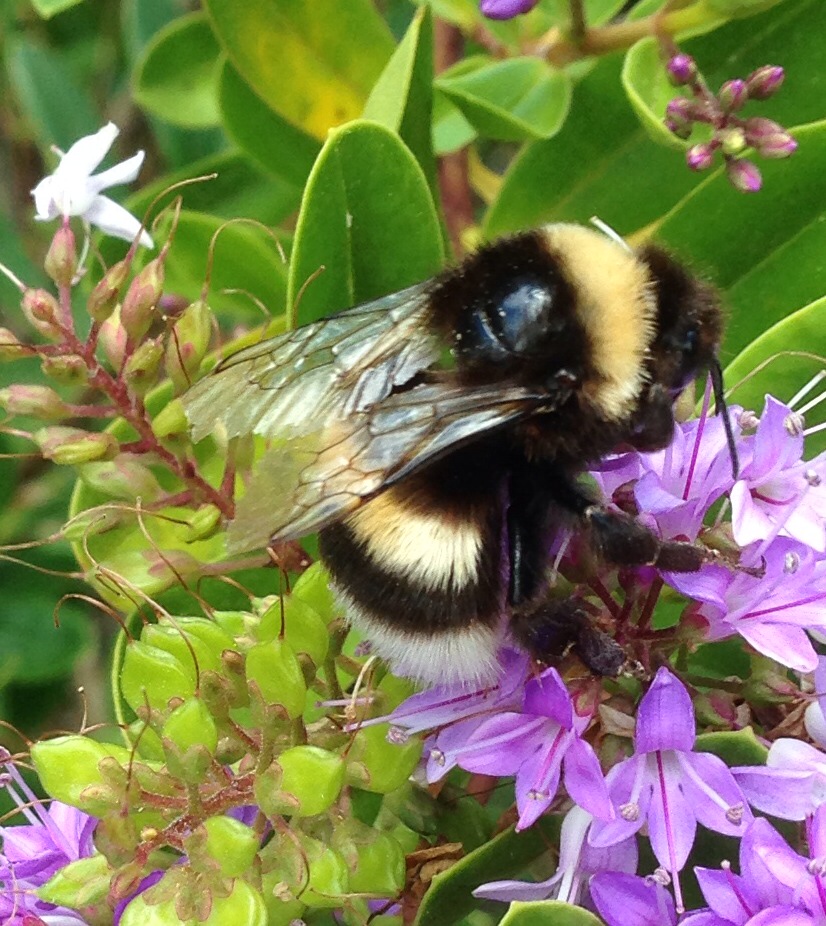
[176, 77]
[515, 100]
[780, 362]
[739, 748]
[649, 90]
[402, 98]
[449, 897]
[57, 107]
[765, 250]
[365, 190]
[299, 57]
[269, 139]
[45, 9]
[548, 913]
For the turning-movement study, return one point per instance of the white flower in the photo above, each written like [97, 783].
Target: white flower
[72, 190]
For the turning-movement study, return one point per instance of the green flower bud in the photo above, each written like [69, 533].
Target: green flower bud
[104, 297]
[281, 911]
[142, 368]
[69, 767]
[204, 523]
[141, 298]
[732, 140]
[302, 781]
[150, 675]
[185, 646]
[313, 587]
[69, 369]
[274, 675]
[232, 844]
[121, 478]
[61, 258]
[244, 905]
[72, 446]
[170, 421]
[304, 630]
[187, 344]
[91, 522]
[11, 347]
[42, 311]
[235, 623]
[147, 740]
[375, 860]
[112, 337]
[191, 724]
[34, 401]
[374, 764]
[209, 632]
[78, 884]
[328, 879]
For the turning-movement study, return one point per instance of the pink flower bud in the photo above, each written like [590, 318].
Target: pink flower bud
[769, 139]
[36, 401]
[765, 81]
[72, 446]
[743, 175]
[187, 344]
[700, 157]
[61, 258]
[506, 9]
[141, 298]
[104, 297]
[113, 340]
[41, 310]
[142, 368]
[682, 69]
[69, 369]
[733, 95]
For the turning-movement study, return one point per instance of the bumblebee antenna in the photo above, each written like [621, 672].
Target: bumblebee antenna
[716, 374]
[610, 232]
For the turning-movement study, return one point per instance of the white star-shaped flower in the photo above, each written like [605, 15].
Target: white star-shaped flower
[73, 190]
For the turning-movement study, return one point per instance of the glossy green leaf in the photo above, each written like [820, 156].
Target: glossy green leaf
[45, 9]
[766, 251]
[506, 855]
[365, 190]
[280, 148]
[297, 57]
[582, 172]
[781, 361]
[649, 90]
[176, 78]
[734, 748]
[548, 913]
[402, 98]
[59, 110]
[514, 100]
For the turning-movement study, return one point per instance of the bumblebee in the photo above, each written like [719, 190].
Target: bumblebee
[434, 437]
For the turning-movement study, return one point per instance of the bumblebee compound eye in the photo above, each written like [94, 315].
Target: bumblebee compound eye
[688, 323]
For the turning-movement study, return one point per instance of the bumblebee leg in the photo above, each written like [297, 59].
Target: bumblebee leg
[549, 628]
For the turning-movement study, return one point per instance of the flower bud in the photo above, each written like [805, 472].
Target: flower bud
[732, 141]
[375, 859]
[682, 69]
[700, 157]
[302, 781]
[42, 311]
[733, 95]
[313, 587]
[743, 175]
[68, 369]
[146, 740]
[78, 884]
[68, 765]
[35, 401]
[243, 905]
[184, 646]
[150, 675]
[122, 478]
[769, 139]
[765, 81]
[204, 523]
[190, 739]
[11, 347]
[91, 522]
[232, 844]
[112, 337]
[141, 298]
[61, 258]
[274, 675]
[187, 344]
[679, 117]
[104, 297]
[142, 368]
[304, 630]
[72, 446]
[170, 422]
[376, 765]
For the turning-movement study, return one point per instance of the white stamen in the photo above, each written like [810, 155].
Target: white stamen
[735, 814]
[817, 378]
[660, 876]
[812, 478]
[630, 812]
[791, 563]
[610, 232]
[397, 736]
[748, 420]
[437, 756]
[794, 424]
[812, 404]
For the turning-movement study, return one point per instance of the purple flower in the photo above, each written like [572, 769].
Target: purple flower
[538, 745]
[755, 897]
[577, 862]
[667, 785]
[32, 853]
[625, 900]
[792, 783]
[815, 718]
[772, 612]
[506, 9]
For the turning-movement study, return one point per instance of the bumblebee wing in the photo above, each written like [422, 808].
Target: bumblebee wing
[300, 380]
[303, 484]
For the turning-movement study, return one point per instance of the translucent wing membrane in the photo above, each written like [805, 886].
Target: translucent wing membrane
[302, 380]
[307, 482]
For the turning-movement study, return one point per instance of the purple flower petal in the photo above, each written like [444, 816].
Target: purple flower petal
[672, 825]
[548, 696]
[665, 718]
[626, 900]
[506, 9]
[786, 644]
[631, 793]
[726, 893]
[783, 793]
[714, 794]
[585, 782]
[783, 916]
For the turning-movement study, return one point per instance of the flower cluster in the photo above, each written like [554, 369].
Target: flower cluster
[731, 134]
